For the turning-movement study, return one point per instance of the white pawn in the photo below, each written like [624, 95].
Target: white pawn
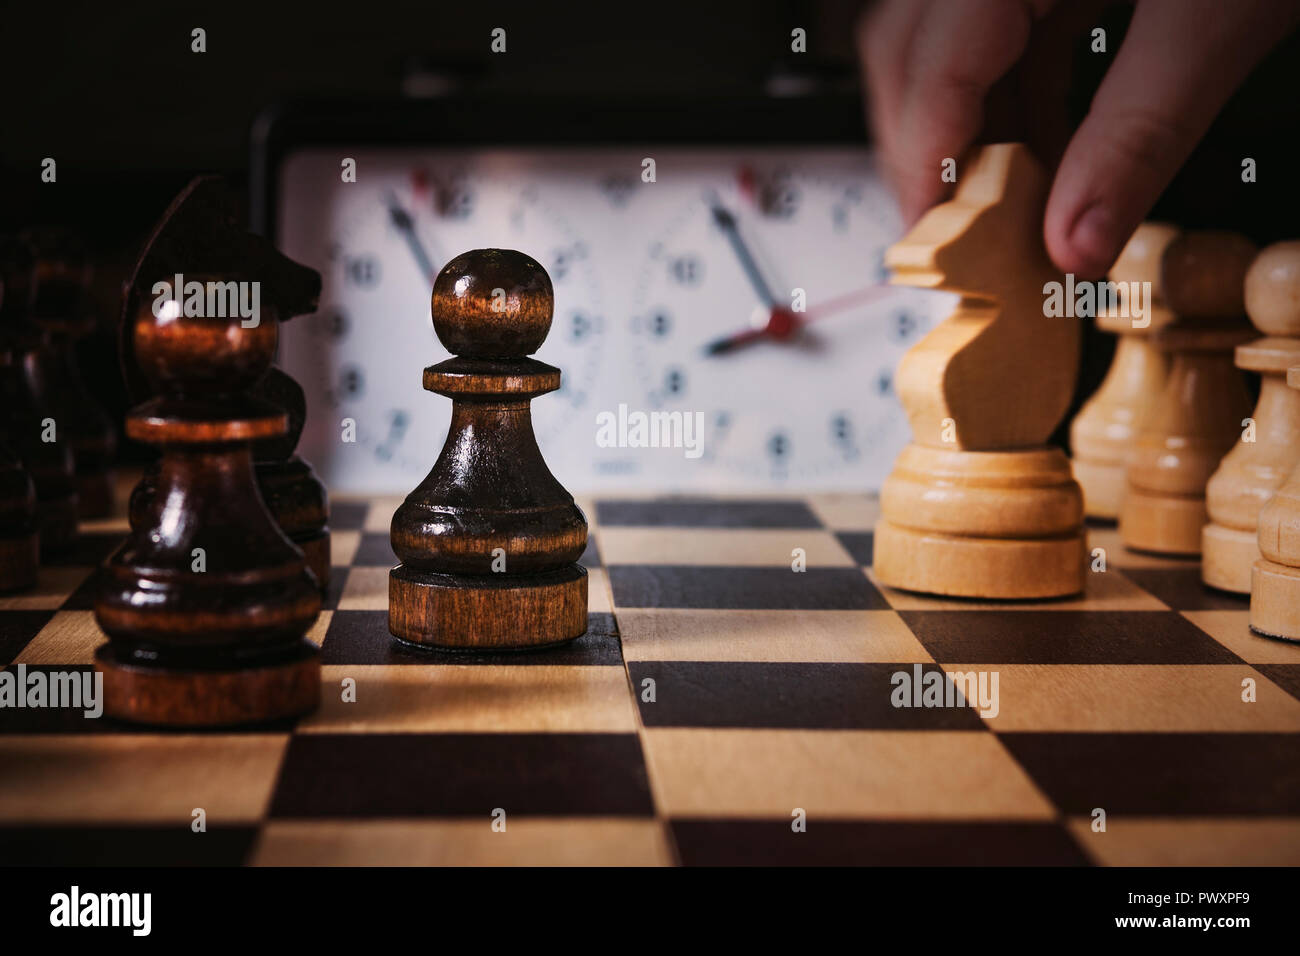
[1275, 580]
[1102, 435]
[1251, 473]
[1197, 418]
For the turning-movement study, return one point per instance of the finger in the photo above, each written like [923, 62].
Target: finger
[958, 52]
[1178, 65]
[884, 34]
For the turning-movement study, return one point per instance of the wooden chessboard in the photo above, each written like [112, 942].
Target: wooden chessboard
[772, 691]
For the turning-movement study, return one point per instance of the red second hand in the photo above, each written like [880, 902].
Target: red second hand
[849, 299]
[782, 323]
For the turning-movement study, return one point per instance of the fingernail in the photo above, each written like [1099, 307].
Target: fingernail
[1095, 239]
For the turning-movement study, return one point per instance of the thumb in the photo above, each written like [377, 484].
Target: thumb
[1179, 63]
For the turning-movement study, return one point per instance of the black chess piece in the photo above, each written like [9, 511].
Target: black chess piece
[207, 604]
[31, 427]
[290, 488]
[19, 544]
[489, 540]
[62, 313]
[204, 224]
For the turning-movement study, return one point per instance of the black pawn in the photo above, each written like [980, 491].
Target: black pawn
[489, 540]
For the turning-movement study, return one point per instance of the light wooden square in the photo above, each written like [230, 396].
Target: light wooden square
[846, 512]
[70, 637]
[735, 547]
[1151, 698]
[1232, 630]
[380, 515]
[526, 841]
[1191, 841]
[1118, 556]
[366, 589]
[600, 595]
[839, 774]
[343, 547]
[134, 778]
[474, 698]
[662, 634]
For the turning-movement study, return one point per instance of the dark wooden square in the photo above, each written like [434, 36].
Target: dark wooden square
[439, 775]
[126, 845]
[707, 513]
[348, 515]
[1183, 590]
[17, 628]
[859, 544]
[826, 696]
[1064, 637]
[872, 843]
[694, 586]
[1165, 775]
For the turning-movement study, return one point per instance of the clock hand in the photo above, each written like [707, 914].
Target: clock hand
[783, 323]
[405, 224]
[846, 301]
[726, 221]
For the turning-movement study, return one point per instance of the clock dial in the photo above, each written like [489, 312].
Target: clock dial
[741, 286]
[379, 245]
[761, 305]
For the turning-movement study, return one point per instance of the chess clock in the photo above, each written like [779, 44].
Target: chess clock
[720, 259]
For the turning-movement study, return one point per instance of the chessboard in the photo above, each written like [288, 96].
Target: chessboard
[723, 708]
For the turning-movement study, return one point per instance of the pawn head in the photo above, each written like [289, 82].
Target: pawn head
[1203, 273]
[492, 304]
[196, 344]
[1273, 290]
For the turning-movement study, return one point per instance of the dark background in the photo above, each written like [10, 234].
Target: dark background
[115, 95]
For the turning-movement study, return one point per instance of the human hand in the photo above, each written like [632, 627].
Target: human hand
[937, 69]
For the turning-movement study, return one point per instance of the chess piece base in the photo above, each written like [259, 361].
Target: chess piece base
[1275, 600]
[181, 697]
[1162, 524]
[487, 612]
[19, 556]
[1227, 556]
[1103, 488]
[997, 525]
[966, 566]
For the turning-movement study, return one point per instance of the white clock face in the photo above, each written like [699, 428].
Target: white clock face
[742, 288]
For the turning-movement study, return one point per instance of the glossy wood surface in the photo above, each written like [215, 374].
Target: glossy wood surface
[207, 603]
[489, 499]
